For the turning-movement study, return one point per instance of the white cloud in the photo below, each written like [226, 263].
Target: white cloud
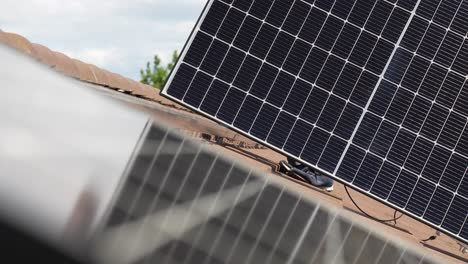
[119, 35]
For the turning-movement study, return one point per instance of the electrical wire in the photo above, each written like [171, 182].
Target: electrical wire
[429, 238]
[394, 219]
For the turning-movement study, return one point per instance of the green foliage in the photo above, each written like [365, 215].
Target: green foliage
[157, 74]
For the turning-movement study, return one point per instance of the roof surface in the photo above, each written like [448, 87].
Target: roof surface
[148, 99]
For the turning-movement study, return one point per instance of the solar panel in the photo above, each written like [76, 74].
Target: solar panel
[372, 92]
[183, 203]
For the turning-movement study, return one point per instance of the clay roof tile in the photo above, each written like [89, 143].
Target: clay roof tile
[65, 65]
[44, 55]
[85, 73]
[19, 42]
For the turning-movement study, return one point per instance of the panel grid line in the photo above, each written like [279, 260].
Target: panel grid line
[368, 58]
[146, 177]
[438, 183]
[436, 143]
[212, 207]
[247, 54]
[264, 101]
[204, 57]
[361, 249]
[318, 76]
[303, 235]
[228, 218]
[422, 136]
[463, 225]
[265, 61]
[377, 85]
[244, 226]
[434, 62]
[346, 21]
[283, 231]
[332, 218]
[308, 96]
[197, 196]
[435, 23]
[406, 115]
[155, 200]
[269, 90]
[381, 251]
[230, 46]
[179, 190]
[264, 226]
[461, 181]
[413, 192]
[439, 186]
[313, 44]
[430, 153]
[341, 246]
[451, 202]
[296, 77]
[412, 173]
[403, 252]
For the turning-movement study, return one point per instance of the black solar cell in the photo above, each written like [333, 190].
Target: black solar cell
[245, 118]
[298, 138]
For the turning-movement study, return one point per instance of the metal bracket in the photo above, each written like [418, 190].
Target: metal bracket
[463, 248]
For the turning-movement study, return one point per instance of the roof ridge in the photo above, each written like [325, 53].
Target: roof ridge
[82, 71]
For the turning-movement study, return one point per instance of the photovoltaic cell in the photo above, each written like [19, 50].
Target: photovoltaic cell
[371, 92]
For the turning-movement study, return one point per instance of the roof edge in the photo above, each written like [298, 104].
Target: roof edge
[82, 71]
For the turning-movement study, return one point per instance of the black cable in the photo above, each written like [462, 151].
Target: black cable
[394, 219]
[429, 238]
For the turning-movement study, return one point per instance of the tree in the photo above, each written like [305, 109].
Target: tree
[156, 75]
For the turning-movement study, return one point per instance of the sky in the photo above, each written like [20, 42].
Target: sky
[117, 35]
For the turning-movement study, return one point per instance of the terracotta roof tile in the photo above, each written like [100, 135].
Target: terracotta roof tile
[19, 42]
[84, 70]
[44, 55]
[80, 70]
[127, 84]
[140, 90]
[66, 65]
[101, 77]
[113, 79]
[136, 88]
